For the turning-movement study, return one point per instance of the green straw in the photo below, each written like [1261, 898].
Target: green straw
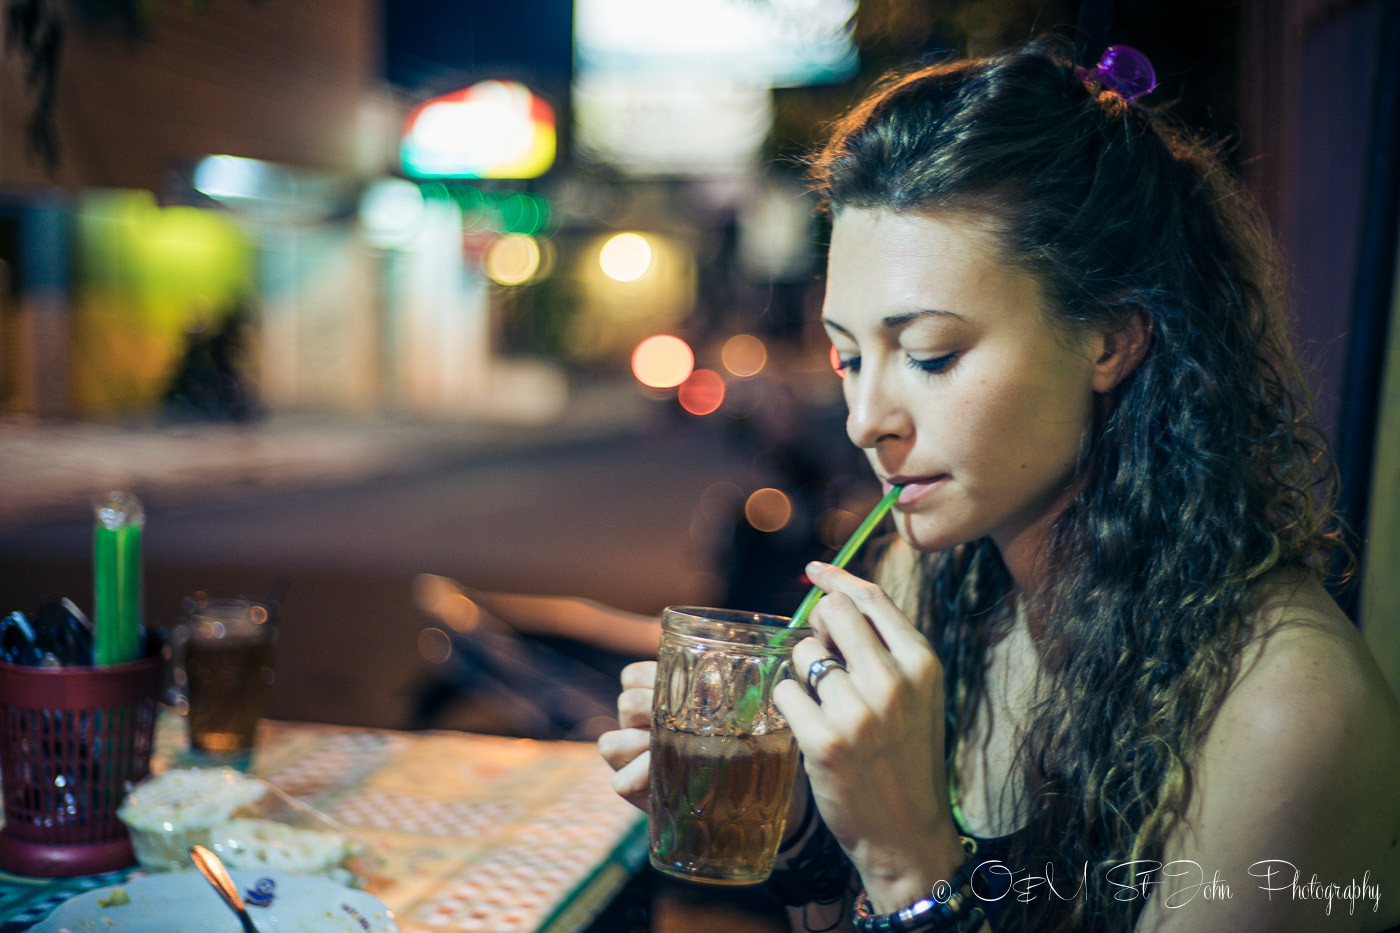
[116, 578]
[848, 550]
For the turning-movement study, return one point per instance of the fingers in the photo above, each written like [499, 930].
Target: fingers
[621, 747]
[634, 702]
[631, 782]
[859, 618]
[834, 686]
[809, 652]
[634, 708]
[887, 661]
[626, 750]
[804, 712]
[806, 719]
[639, 674]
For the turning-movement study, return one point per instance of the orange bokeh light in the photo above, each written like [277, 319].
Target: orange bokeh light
[744, 355]
[768, 509]
[836, 363]
[702, 393]
[662, 361]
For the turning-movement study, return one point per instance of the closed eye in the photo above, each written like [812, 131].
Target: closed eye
[934, 366]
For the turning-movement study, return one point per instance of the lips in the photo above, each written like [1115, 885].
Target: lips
[914, 487]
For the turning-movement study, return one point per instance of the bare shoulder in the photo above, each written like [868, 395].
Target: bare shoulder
[1305, 658]
[1310, 701]
[1296, 778]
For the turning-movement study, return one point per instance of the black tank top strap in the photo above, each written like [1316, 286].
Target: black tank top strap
[992, 876]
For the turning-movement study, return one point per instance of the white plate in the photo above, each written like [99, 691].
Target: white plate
[184, 902]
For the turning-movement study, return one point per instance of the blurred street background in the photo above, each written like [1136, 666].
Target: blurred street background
[622, 502]
[524, 295]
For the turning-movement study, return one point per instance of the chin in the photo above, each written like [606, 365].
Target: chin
[929, 537]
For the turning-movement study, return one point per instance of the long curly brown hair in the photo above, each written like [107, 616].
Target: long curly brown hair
[1200, 477]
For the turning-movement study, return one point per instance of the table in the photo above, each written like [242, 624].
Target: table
[474, 832]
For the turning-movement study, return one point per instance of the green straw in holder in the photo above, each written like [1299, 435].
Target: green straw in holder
[116, 578]
[848, 550]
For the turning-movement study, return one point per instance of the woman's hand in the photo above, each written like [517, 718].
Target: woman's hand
[873, 740]
[626, 749]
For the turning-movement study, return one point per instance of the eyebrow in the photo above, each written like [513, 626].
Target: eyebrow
[897, 321]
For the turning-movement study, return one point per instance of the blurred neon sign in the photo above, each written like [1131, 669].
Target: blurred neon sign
[522, 213]
[493, 129]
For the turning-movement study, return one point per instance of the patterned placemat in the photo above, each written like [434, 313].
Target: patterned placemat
[478, 832]
[26, 901]
[472, 832]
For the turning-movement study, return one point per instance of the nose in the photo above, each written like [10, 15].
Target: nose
[874, 413]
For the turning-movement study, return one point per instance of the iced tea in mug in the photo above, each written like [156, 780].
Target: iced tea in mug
[223, 653]
[723, 759]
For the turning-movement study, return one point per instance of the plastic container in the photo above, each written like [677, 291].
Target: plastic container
[248, 822]
[73, 740]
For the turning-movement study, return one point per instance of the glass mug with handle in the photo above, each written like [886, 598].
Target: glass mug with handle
[723, 759]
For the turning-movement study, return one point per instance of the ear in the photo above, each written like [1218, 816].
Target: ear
[1123, 349]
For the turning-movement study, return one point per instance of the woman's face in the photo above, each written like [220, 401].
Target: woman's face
[956, 385]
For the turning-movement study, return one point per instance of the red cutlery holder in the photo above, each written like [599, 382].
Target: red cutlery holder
[72, 742]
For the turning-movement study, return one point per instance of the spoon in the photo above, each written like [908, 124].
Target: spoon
[216, 874]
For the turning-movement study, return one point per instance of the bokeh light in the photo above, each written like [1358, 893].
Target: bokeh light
[523, 212]
[442, 597]
[834, 526]
[702, 392]
[744, 355]
[229, 177]
[434, 645]
[513, 260]
[151, 276]
[520, 213]
[625, 257]
[836, 363]
[391, 211]
[662, 361]
[768, 509]
[493, 129]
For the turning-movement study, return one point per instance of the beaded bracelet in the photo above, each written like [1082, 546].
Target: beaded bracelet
[954, 912]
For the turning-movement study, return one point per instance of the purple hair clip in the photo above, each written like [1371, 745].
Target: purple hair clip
[1123, 69]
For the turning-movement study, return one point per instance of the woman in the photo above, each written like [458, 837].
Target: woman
[1098, 654]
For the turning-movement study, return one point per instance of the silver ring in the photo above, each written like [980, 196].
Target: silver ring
[819, 669]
